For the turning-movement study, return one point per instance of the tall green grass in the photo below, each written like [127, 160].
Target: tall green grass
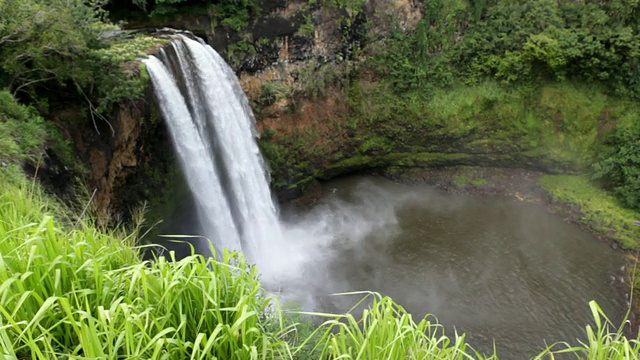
[75, 291]
[604, 341]
[386, 331]
[71, 291]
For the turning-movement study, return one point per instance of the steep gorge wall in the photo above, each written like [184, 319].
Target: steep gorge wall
[292, 61]
[301, 66]
[312, 97]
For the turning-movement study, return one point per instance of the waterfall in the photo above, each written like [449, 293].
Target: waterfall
[213, 133]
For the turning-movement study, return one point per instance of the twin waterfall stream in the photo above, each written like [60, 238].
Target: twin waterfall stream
[215, 144]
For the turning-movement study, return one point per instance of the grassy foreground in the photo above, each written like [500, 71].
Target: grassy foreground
[69, 290]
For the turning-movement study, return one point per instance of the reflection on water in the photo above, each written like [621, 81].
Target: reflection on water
[493, 268]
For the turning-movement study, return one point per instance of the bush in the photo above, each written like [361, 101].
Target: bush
[23, 131]
[618, 166]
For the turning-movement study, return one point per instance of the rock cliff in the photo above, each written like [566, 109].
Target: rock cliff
[303, 66]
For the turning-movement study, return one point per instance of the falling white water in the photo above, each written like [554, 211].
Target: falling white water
[213, 133]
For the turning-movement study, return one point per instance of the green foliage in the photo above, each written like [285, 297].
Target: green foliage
[23, 131]
[61, 44]
[525, 41]
[268, 133]
[493, 43]
[376, 145]
[618, 165]
[79, 292]
[273, 91]
[420, 60]
[469, 177]
[600, 210]
[315, 78]
[352, 7]
[308, 27]
[386, 331]
[233, 14]
[43, 40]
[239, 52]
[405, 62]
[116, 76]
[517, 42]
[26, 135]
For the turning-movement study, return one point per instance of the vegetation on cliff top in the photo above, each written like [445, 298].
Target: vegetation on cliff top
[517, 42]
[68, 46]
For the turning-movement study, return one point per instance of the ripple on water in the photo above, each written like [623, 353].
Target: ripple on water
[493, 268]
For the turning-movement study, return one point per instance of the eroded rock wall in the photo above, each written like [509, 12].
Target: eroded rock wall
[295, 61]
[304, 68]
[127, 155]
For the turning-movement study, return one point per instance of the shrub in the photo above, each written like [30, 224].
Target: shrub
[618, 166]
[23, 131]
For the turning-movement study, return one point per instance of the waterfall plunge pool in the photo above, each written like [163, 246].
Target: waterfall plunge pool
[493, 268]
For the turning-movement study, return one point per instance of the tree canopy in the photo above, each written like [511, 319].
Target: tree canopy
[48, 41]
[519, 41]
[54, 47]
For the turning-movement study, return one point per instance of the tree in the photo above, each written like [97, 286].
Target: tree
[43, 41]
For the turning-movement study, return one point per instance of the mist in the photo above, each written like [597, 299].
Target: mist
[351, 227]
[480, 265]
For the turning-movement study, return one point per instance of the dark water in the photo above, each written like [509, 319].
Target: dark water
[496, 269]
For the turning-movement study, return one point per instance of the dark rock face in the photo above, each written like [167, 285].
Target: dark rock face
[127, 155]
[273, 5]
[52, 173]
[273, 27]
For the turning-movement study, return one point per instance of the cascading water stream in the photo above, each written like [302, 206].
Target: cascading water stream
[213, 134]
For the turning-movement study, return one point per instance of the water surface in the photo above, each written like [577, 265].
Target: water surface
[496, 269]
